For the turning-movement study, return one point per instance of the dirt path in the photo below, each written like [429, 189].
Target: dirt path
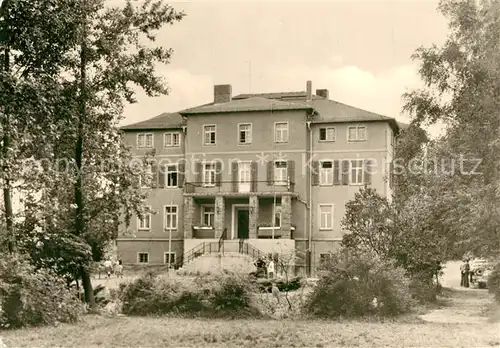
[462, 305]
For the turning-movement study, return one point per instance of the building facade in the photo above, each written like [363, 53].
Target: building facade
[272, 170]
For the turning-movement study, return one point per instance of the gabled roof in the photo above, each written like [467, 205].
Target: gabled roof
[163, 121]
[248, 104]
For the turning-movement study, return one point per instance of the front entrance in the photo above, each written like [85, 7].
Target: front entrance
[242, 223]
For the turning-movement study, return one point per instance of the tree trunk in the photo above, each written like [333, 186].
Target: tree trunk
[7, 184]
[80, 224]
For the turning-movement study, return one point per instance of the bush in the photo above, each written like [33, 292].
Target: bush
[494, 282]
[357, 285]
[216, 296]
[423, 289]
[30, 297]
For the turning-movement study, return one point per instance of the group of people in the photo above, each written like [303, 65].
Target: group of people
[267, 268]
[465, 274]
[111, 267]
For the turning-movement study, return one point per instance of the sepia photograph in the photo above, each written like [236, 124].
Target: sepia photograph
[249, 174]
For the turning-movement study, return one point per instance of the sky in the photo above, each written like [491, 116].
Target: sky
[359, 50]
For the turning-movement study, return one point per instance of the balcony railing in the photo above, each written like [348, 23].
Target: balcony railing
[238, 187]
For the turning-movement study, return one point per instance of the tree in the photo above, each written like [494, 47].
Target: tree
[404, 231]
[109, 57]
[31, 54]
[462, 89]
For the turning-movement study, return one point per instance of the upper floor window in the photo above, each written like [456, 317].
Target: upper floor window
[171, 217]
[326, 216]
[145, 140]
[209, 174]
[245, 133]
[281, 132]
[327, 134]
[171, 176]
[172, 139]
[326, 173]
[209, 134]
[356, 133]
[146, 178]
[356, 172]
[280, 172]
[144, 223]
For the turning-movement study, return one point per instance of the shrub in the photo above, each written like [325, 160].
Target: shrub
[423, 288]
[30, 297]
[359, 284]
[216, 296]
[494, 282]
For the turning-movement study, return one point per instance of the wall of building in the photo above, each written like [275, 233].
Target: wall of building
[129, 249]
[130, 138]
[373, 149]
[377, 147]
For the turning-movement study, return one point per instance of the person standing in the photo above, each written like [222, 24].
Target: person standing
[462, 274]
[270, 269]
[466, 273]
[108, 267]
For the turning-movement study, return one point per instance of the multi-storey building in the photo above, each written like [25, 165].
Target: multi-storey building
[274, 170]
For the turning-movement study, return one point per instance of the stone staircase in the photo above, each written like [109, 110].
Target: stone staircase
[218, 263]
[219, 257]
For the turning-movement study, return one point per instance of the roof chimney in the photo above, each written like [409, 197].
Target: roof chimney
[323, 93]
[222, 94]
[309, 90]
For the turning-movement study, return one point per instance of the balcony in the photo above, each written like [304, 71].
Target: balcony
[239, 189]
[269, 232]
[203, 232]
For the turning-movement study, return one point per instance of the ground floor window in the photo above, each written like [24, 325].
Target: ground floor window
[324, 257]
[143, 257]
[172, 258]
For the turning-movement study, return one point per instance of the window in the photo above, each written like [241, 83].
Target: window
[209, 135]
[208, 215]
[327, 134]
[281, 132]
[144, 223]
[326, 216]
[326, 173]
[145, 140]
[277, 216]
[356, 172]
[245, 133]
[146, 176]
[171, 217]
[325, 257]
[280, 173]
[209, 171]
[172, 139]
[143, 257]
[171, 176]
[170, 257]
[356, 133]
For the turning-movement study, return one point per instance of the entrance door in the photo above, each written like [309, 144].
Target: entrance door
[244, 175]
[243, 223]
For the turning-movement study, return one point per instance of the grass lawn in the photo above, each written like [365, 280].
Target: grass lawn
[170, 332]
[465, 318]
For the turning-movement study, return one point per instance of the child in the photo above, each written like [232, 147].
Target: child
[119, 269]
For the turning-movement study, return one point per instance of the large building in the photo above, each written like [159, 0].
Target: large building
[271, 170]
